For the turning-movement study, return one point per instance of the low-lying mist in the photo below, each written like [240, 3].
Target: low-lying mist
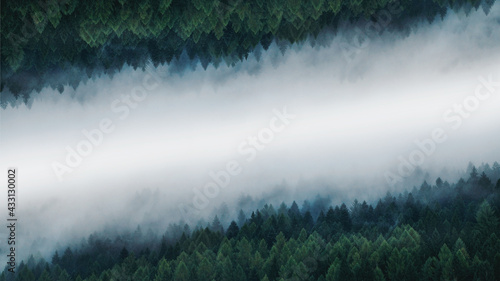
[159, 146]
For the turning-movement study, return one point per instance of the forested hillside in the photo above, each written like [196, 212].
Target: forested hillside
[62, 43]
[435, 232]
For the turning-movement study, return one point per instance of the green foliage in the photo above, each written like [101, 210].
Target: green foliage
[487, 221]
[378, 275]
[42, 38]
[334, 271]
[363, 248]
[445, 263]
[181, 273]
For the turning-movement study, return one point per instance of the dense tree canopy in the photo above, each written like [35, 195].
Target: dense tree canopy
[59, 43]
[436, 232]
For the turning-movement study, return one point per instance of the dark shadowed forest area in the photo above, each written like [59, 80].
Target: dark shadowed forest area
[439, 231]
[275, 142]
[61, 44]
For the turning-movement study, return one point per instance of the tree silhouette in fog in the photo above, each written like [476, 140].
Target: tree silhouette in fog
[60, 44]
[436, 232]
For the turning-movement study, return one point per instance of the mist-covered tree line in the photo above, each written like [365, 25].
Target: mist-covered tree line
[62, 43]
[438, 231]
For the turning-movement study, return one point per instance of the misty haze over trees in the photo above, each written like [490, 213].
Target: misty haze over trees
[439, 231]
[316, 102]
[60, 44]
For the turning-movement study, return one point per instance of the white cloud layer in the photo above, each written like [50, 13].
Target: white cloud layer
[353, 120]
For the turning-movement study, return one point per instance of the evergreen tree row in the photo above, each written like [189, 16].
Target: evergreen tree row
[436, 232]
[59, 43]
